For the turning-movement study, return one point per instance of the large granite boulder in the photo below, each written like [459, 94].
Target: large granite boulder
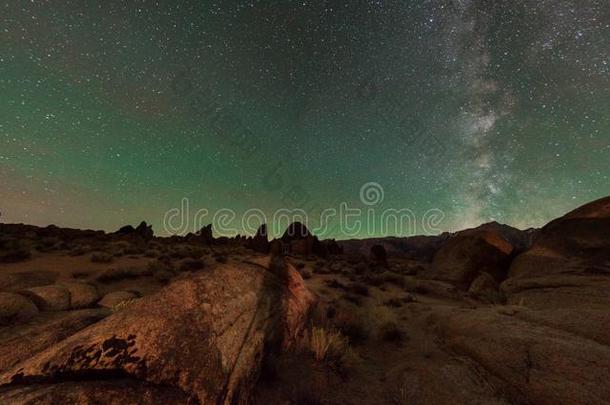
[537, 364]
[26, 279]
[15, 308]
[568, 264]
[20, 342]
[463, 257]
[49, 297]
[82, 295]
[204, 335]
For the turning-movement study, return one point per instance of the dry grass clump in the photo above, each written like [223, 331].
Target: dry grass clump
[334, 283]
[161, 270]
[391, 332]
[101, 257]
[191, 264]
[359, 289]
[186, 251]
[326, 345]
[123, 304]
[395, 279]
[221, 258]
[12, 251]
[120, 273]
[303, 394]
[79, 250]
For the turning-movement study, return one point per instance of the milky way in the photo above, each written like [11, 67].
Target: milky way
[484, 110]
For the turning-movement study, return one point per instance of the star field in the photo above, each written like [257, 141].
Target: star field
[113, 113]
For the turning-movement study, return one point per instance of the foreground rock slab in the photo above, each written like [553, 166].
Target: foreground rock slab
[203, 336]
[539, 363]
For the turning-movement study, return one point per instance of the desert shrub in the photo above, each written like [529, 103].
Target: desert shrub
[79, 274]
[408, 298]
[159, 265]
[117, 274]
[163, 276]
[184, 251]
[191, 264]
[360, 268]
[101, 257]
[353, 329]
[359, 288]
[394, 279]
[354, 299]
[303, 394]
[14, 251]
[78, 250]
[375, 281]
[391, 332]
[403, 394]
[326, 345]
[306, 274]
[48, 244]
[152, 253]
[334, 283]
[321, 270]
[393, 302]
[300, 265]
[221, 258]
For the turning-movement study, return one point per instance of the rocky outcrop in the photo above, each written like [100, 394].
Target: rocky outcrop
[484, 287]
[143, 231]
[203, 336]
[298, 240]
[49, 297]
[568, 264]
[537, 364]
[112, 392]
[205, 235]
[260, 241]
[379, 256]
[463, 257]
[23, 341]
[15, 309]
[82, 295]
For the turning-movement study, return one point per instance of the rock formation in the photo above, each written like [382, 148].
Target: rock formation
[260, 241]
[568, 264]
[202, 337]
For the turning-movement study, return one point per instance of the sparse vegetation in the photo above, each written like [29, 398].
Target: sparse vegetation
[221, 258]
[14, 251]
[359, 288]
[117, 274]
[393, 302]
[190, 264]
[391, 332]
[326, 345]
[163, 276]
[101, 257]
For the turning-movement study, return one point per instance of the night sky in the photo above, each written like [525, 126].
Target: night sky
[113, 112]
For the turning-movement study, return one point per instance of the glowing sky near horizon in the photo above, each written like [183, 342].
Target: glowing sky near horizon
[113, 113]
